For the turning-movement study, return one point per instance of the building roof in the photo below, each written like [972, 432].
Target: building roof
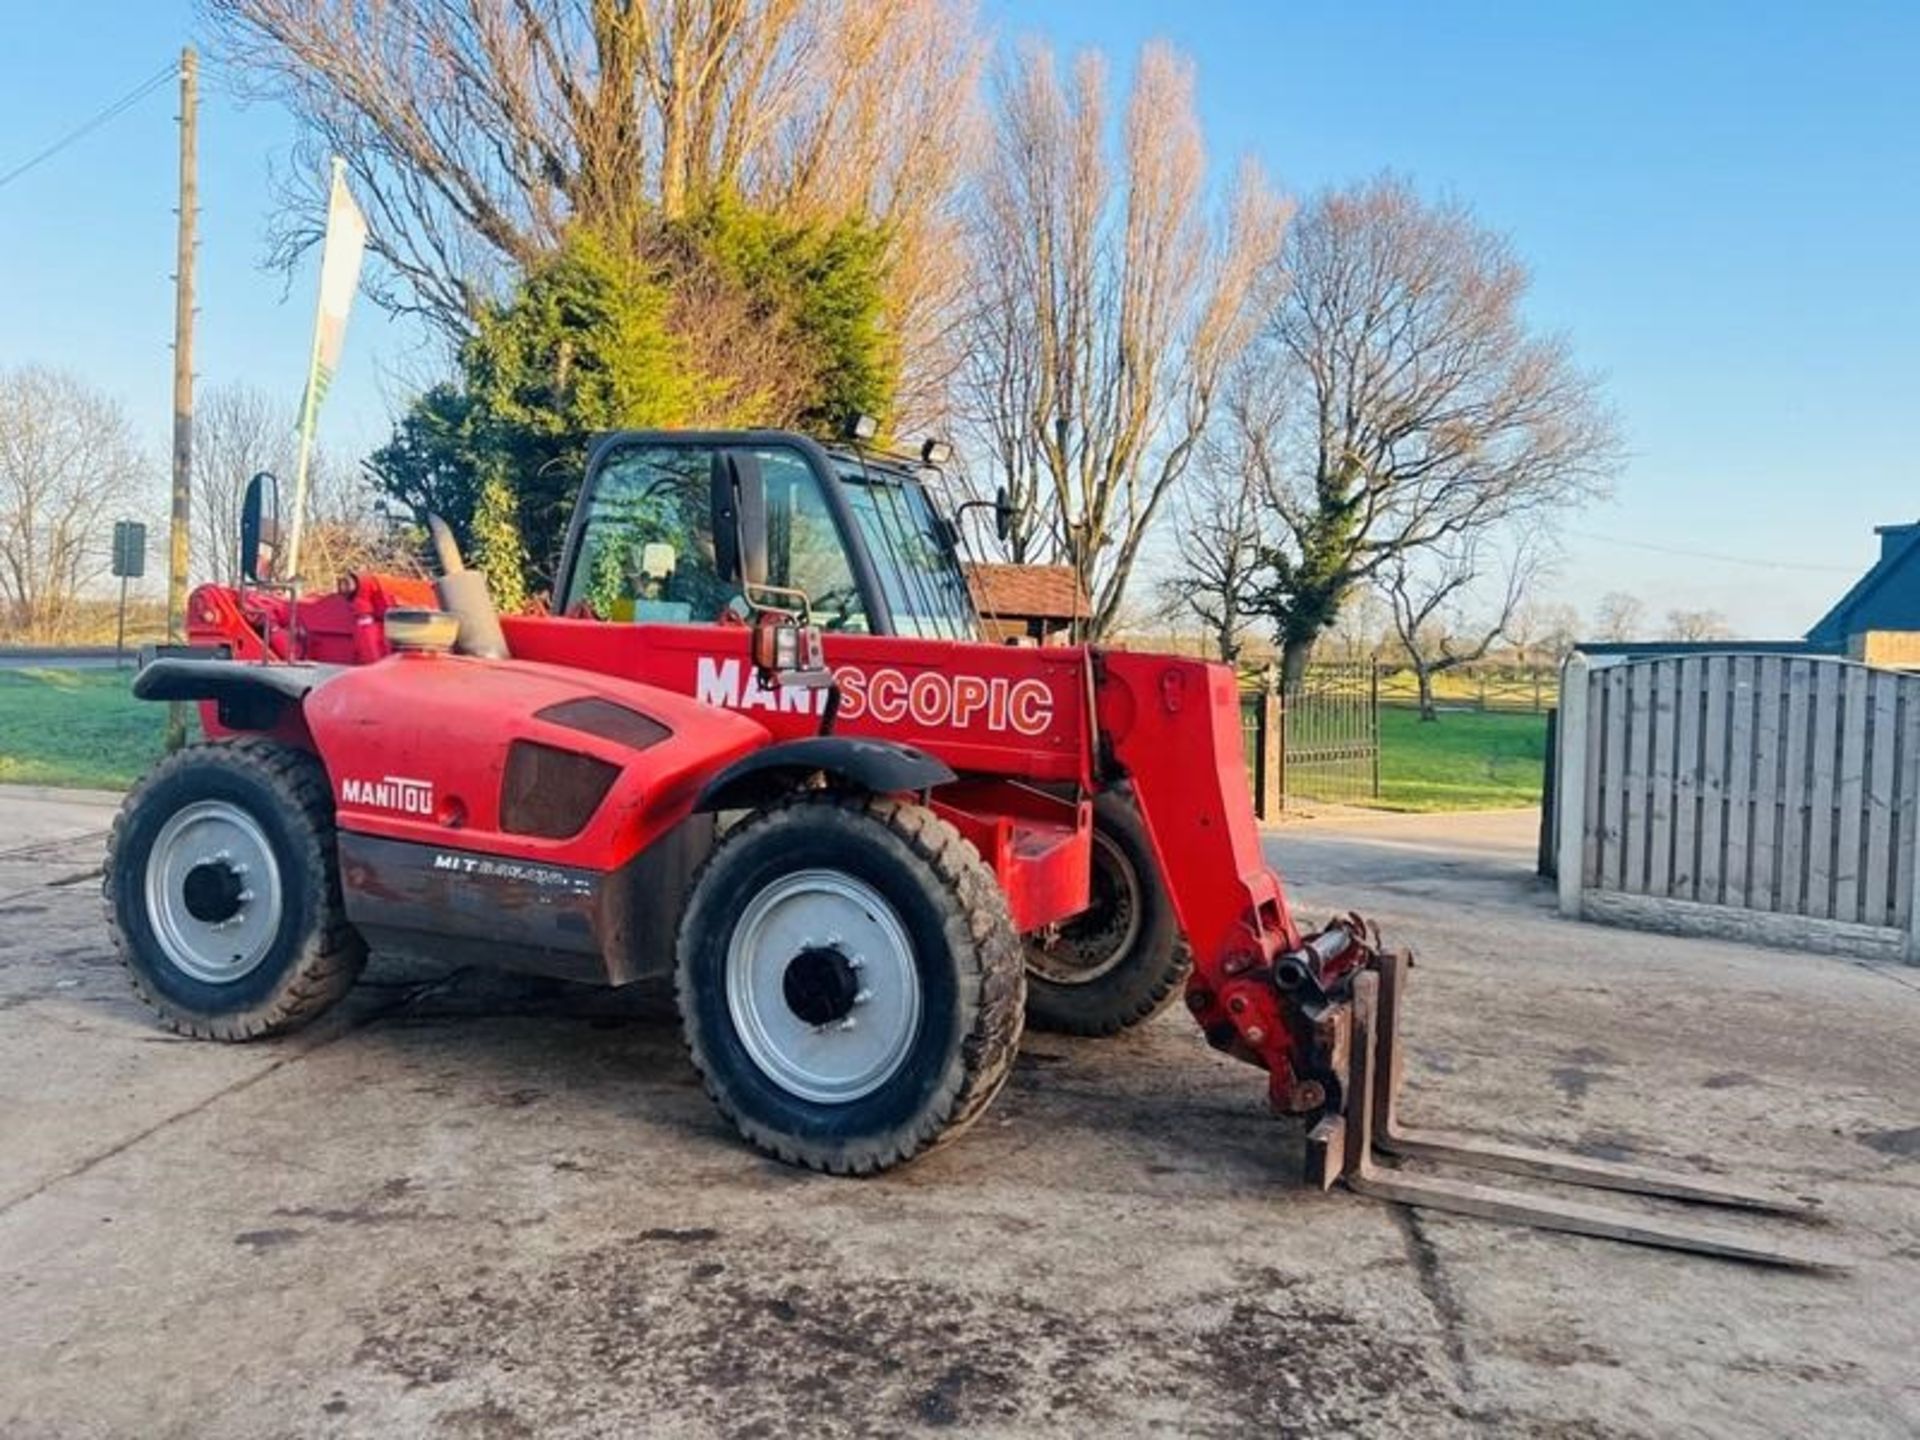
[1887, 597]
[1029, 592]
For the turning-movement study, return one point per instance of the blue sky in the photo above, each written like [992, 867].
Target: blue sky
[1720, 204]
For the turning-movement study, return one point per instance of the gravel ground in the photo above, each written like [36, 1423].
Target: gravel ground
[496, 1208]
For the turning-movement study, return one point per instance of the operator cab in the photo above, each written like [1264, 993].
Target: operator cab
[857, 536]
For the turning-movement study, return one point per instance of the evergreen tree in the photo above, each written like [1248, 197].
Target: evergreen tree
[497, 547]
[728, 317]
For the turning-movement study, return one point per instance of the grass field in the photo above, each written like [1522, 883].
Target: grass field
[75, 727]
[1465, 760]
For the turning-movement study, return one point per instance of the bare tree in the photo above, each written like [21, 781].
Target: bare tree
[69, 468]
[238, 431]
[1429, 590]
[1364, 629]
[1694, 626]
[348, 531]
[1217, 519]
[1396, 401]
[477, 131]
[1109, 305]
[1543, 632]
[1619, 617]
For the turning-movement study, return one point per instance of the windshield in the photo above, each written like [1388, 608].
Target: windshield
[918, 571]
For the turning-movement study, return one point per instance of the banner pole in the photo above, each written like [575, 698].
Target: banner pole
[309, 402]
[307, 414]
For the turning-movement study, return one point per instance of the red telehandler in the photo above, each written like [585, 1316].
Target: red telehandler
[929, 840]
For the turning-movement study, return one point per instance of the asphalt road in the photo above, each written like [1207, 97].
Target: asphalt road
[467, 1206]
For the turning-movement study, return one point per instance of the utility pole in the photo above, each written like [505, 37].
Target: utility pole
[183, 381]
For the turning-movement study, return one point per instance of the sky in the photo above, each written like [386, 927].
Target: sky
[1719, 203]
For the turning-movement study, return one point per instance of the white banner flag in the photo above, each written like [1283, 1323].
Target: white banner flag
[339, 277]
[340, 257]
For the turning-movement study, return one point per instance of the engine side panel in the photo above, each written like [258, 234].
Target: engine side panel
[452, 848]
[421, 749]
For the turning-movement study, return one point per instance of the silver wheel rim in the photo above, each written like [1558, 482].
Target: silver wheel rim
[213, 891]
[1066, 960]
[823, 914]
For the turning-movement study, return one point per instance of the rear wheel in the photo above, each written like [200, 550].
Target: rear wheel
[849, 981]
[1121, 960]
[223, 893]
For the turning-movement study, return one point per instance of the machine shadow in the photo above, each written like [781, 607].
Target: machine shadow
[1139, 1108]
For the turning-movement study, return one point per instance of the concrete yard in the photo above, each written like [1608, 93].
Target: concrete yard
[471, 1206]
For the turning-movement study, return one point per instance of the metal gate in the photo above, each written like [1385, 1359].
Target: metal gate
[1321, 741]
[1331, 746]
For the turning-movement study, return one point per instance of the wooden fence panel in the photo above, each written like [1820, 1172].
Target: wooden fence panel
[1877, 884]
[1689, 699]
[1752, 783]
[1591, 779]
[1906, 857]
[1709, 885]
[1853, 784]
[1744, 702]
[1639, 777]
[1763, 844]
[1796, 742]
[1613, 867]
[1820, 854]
[1660, 808]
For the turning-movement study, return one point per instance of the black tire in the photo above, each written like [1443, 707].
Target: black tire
[963, 951]
[310, 955]
[1076, 983]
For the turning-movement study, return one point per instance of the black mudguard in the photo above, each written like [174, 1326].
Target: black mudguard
[251, 695]
[878, 766]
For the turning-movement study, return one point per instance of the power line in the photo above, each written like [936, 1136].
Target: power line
[87, 127]
[1714, 555]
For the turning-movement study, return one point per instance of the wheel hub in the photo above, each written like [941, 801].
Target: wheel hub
[820, 985]
[212, 892]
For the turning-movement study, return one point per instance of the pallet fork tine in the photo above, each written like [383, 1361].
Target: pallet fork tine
[1390, 1138]
[1342, 1147]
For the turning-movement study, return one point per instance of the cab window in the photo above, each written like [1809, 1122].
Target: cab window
[917, 571]
[647, 551]
[804, 548]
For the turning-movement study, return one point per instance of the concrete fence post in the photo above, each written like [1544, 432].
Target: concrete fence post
[1570, 783]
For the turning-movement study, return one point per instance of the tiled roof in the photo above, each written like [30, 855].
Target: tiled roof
[1042, 592]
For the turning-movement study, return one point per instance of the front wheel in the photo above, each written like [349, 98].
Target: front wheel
[223, 891]
[849, 982]
[1120, 961]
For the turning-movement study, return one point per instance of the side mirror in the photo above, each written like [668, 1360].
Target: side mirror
[739, 519]
[1003, 513]
[260, 529]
